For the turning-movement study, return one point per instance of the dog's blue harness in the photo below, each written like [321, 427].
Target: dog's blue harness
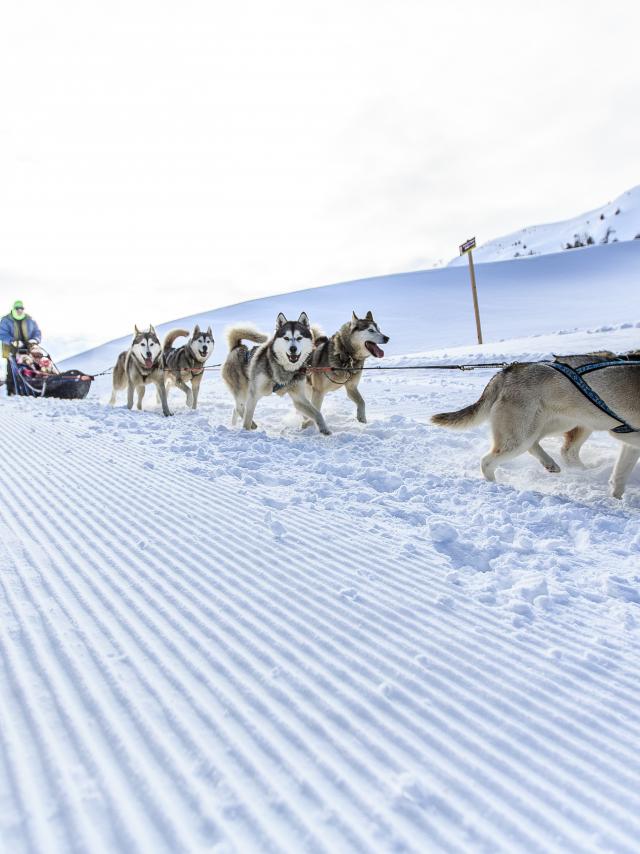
[574, 375]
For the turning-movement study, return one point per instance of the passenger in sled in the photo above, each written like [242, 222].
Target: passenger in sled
[34, 360]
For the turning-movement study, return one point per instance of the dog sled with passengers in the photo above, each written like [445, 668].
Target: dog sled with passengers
[31, 372]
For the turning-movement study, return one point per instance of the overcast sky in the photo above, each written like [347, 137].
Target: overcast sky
[162, 158]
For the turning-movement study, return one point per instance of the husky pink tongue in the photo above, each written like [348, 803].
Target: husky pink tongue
[148, 363]
[374, 349]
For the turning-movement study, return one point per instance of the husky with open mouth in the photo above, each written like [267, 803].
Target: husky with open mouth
[341, 359]
[276, 366]
[141, 364]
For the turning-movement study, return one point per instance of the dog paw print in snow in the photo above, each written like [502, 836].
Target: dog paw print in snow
[277, 528]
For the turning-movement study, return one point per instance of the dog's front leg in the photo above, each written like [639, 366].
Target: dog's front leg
[185, 388]
[195, 387]
[317, 399]
[162, 391]
[130, 390]
[624, 466]
[249, 408]
[354, 395]
[141, 391]
[303, 405]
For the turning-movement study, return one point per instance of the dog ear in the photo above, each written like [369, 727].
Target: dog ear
[280, 320]
[152, 331]
[304, 319]
[196, 330]
[136, 331]
[354, 319]
[369, 316]
[209, 332]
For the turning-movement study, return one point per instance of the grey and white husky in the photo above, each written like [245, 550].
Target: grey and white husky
[345, 353]
[185, 364]
[141, 364]
[526, 402]
[277, 365]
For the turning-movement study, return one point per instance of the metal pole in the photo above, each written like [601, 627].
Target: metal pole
[475, 296]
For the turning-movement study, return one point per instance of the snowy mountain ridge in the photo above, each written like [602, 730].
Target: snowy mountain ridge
[615, 222]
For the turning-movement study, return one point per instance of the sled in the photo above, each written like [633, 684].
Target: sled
[27, 381]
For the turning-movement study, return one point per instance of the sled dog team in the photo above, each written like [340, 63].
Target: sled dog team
[524, 402]
[277, 364]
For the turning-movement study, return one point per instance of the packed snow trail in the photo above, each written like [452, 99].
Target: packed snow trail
[278, 641]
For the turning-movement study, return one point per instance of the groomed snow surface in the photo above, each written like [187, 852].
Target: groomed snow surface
[276, 641]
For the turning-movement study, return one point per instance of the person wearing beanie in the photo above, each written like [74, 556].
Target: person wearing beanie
[17, 329]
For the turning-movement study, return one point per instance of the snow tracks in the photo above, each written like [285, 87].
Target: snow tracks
[194, 657]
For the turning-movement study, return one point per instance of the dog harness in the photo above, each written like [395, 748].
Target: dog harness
[574, 375]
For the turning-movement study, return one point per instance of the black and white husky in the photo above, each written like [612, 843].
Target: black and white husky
[341, 358]
[186, 364]
[277, 365]
[141, 364]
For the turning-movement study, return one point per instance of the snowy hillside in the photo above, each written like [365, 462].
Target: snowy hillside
[432, 308]
[615, 222]
[220, 641]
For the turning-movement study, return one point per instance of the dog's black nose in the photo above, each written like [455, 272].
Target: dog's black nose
[385, 339]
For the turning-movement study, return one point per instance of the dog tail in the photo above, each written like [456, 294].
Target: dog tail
[478, 412]
[170, 337]
[318, 335]
[237, 334]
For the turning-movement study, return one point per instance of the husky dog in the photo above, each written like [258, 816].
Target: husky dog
[277, 365]
[527, 402]
[345, 352]
[141, 364]
[186, 364]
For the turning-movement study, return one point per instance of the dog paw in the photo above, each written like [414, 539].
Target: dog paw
[554, 468]
[362, 419]
[326, 432]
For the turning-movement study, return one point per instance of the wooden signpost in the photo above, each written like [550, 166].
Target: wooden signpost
[467, 248]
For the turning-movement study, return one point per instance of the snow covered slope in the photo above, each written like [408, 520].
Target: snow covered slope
[614, 222]
[432, 308]
[219, 641]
